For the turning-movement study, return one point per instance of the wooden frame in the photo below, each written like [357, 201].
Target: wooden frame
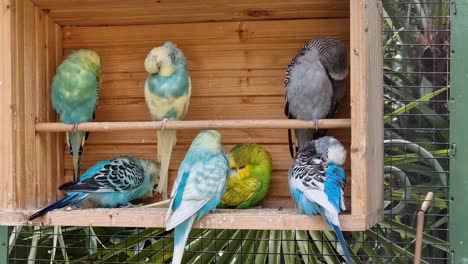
[33, 33]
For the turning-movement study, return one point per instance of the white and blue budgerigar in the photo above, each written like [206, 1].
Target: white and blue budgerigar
[315, 85]
[109, 184]
[200, 184]
[316, 181]
[167, 94]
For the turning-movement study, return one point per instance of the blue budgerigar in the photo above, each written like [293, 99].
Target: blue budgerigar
[198, 188]
[316, 181]
[75, 91]
[315, 84]
[167, 94]
[109, 184]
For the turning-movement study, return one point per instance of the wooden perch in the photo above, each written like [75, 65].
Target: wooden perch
[420, 227]
[195, 124]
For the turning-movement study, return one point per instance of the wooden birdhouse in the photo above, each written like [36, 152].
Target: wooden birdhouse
[237, 52]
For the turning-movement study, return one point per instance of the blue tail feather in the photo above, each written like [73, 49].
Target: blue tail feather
[181, 233]
[339, 234]
[71, 198]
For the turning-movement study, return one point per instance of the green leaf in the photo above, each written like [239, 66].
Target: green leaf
[414, 104]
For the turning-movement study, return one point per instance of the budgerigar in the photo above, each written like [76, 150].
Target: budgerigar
[198, 188]
[249, 182]
[75, 91]
[315, 85]
[316, 181]
[109, 184]
[167, 94]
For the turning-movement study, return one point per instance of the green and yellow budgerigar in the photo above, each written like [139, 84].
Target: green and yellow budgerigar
[249, 182]
[167, 94]
[75, 92]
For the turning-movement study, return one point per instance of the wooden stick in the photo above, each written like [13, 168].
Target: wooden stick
[420, 226]
[195, 124]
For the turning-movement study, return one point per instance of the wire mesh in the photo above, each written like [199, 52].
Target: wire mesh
[416, 79]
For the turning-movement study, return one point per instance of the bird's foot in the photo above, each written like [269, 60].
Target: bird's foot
[164, 122]
[75, 127]
[316, 123]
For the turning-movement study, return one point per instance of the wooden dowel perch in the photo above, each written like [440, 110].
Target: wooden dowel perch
[420, 227]
[195, 124]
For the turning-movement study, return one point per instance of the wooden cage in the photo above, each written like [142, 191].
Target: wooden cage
[237, 50]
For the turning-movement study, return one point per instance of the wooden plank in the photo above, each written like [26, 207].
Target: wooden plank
[119, 60]
[210, 108]
[40, 155]
[29, 93]
[265, 219]
[265, 136]
[124, 12]
[51, 178]
[210, 34]
[18, 90]
[227, 83]
[367, 124]
[7, 82]
[60, 137]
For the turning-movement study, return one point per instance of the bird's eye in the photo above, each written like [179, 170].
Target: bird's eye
[155, 186]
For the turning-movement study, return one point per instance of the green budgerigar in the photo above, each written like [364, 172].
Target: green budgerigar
[249, 182]
[75, 91]
[167, 94]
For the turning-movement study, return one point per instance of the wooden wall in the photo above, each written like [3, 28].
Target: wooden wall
[237, 71]
[36, 165]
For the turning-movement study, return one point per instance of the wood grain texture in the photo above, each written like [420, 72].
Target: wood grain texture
[18, 93]
[7, 82]
[367, 110]
[265, 219]
[237, 71]
[237, 53]
[33, 159]
[123, 12]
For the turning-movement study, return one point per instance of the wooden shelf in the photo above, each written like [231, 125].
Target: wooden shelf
[265, 219]
[194, 124]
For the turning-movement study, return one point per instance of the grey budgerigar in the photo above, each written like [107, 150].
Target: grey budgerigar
[315, 84]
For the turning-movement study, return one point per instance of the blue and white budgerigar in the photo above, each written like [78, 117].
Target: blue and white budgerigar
[316, 181]
[198, 188]
[109, 184]
[315, 85]
[75, 91]
[167, 94]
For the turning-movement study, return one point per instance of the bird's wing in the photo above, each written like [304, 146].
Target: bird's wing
[203, 182]
[116, 175]
[310, 174]
[74, 88]
[309, 178]
[240, 190]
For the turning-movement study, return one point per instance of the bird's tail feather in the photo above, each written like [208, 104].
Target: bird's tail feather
[166, 141]
[72, 198]
[319, 133]
[339, 234]
[291, 144]
[303, 136]
[180, 239]
[76, 142]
